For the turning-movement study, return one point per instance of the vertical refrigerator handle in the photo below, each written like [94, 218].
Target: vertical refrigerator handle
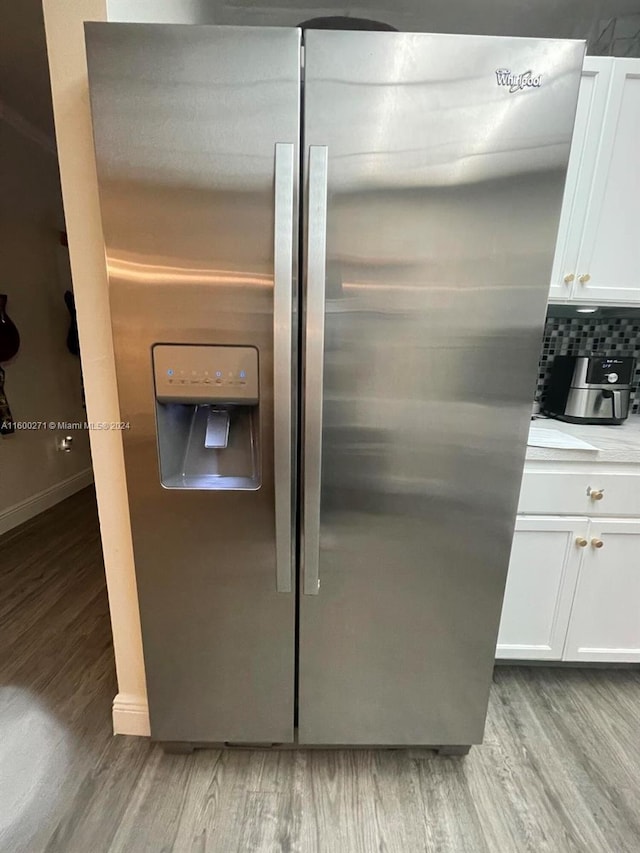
[314, 362]
[282, 390]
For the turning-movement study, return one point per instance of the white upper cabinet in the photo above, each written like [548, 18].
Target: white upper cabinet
[592, 101]
[598, 250]
[610, 249]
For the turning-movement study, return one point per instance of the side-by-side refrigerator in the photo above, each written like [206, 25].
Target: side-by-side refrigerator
[328, 257]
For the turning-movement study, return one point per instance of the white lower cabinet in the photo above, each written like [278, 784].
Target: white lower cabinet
[605, 617]
[573, 591]
[543, 570]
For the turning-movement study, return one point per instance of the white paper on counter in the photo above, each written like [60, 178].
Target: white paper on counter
[542, 437]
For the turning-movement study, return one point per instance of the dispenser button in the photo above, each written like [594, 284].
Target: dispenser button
[612, 377]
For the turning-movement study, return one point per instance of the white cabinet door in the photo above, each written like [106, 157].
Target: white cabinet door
[608, 267]
[545, 560]
[592, 100]
[605, 617]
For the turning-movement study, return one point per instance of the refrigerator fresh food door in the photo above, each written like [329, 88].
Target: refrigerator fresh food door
[434, 167]
[196, 135]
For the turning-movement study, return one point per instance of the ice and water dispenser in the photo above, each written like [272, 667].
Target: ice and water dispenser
[207, 416]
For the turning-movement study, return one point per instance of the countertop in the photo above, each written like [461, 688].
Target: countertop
[614, 443]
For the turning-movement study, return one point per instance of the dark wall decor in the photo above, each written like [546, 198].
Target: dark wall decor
[9, 346]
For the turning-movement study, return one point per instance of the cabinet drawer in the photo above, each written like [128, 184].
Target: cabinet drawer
[569, 494]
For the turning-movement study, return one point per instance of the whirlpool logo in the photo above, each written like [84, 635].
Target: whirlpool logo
[517, 82]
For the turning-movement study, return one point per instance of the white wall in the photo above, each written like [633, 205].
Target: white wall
[161, 11]
[67, 63]
[43, 382]
[590, 19]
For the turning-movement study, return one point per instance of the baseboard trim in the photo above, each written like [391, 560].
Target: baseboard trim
[23, 511]
[130, 715]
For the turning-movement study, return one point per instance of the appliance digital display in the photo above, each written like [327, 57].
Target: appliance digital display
[601, 371]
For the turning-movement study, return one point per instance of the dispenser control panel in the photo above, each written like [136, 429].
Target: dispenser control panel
[193, 373]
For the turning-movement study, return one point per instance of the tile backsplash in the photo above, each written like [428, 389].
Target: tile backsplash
[586, 336]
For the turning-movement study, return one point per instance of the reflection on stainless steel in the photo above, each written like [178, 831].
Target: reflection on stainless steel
[444, 197]
[155, 273]
[186, 120]
[283, 268]
[431, 198]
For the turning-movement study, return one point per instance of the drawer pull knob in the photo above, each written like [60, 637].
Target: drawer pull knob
[584, 278]
[569, 277]
[597, 543]
[596, 494]
[581, 542]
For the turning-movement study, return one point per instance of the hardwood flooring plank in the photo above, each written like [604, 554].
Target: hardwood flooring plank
[559, 771]
[212, 816]
[270, 771]
[451, 818]
[151, 820]
[34, 757]
[599, 775]
[93, 816]
[359, 800]
[511, 796]
[262, 824]
[562, 778]
[392, 791]
[54, 621]
[332, 813]
[51, 760]
[591, 707]
[60, 679]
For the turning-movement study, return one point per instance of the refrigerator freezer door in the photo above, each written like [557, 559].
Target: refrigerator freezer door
[446, 166]
[196, 134]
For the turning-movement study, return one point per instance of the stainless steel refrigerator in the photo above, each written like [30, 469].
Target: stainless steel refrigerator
[328, 266]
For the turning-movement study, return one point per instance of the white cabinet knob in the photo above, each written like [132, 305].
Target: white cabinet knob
[597, 543]
[584, 278]
[569, 277]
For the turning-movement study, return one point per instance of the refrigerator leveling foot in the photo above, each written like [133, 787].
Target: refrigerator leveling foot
[178, 748]
[454, 750]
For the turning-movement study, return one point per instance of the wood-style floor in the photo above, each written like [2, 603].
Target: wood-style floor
[559, 770]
